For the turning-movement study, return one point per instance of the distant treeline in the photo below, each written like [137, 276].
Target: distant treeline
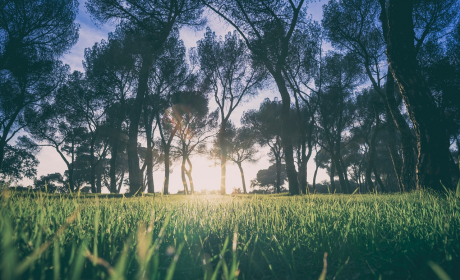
[371, 93]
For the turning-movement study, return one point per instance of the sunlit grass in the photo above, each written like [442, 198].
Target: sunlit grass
[371, 236]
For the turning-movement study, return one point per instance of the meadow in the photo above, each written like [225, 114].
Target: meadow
[373, 236]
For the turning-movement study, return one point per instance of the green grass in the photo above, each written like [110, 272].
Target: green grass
[400, 236]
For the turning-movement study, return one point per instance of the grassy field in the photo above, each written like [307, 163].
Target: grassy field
[400, 236]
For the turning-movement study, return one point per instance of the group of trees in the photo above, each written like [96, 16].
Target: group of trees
[379, 111]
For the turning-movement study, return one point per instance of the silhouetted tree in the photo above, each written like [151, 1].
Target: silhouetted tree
[266, 125]
[434, 160]
[33, 33]
[242, 149]
[231, 78]
[150, 23]
[267, 28]
[195, 127]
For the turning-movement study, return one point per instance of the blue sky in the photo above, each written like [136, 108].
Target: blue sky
[206, 176]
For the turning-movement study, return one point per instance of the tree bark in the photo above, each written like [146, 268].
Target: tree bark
[408, 149]
[135, 176]
[314, 177]
[242, 177]
[285, 135]
[433, 161]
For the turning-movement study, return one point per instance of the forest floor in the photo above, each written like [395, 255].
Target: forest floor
[373, 236]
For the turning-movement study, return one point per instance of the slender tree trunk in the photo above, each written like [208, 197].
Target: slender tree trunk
[286, 135]
[135, 175]
[393, 150]
[371, 158]
[223, 159]
[92, 175]
[99, 178]
[189, 175]
[242, 177]
[278, 175]
[121, 180]
[113, 165]
[314, 177]
[182, 173]
[433, 162]
[408, 149]
[166, 183]
[340, 172]
[332, 174]
[378, 180]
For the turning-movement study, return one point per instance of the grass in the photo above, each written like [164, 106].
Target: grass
[400, 236]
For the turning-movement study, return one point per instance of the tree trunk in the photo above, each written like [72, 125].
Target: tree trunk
[278, 175]
[285, 135]
[223, 159]
[242, 177]
[166, 183]
[113, 166]
[314, 177]
[433, 161]
[340, 172]
[135, 176]
[92, 173]
[395, 158]
[182, 173]
[189, 175]
[99, 178]
[121, 180]
[378, 180]
[332, 174]
[408, 149]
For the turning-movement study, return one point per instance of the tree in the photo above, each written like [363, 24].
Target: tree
[267, 28]
[170, 74]
[52, 183]
[230, 77]
[303, 63]
[20, 160]
[266, 126]
[150, 23]
[53, 127]
[110, 71]
[32, 35]
[434, 160]
[354, 26]
[336, 109]
[369, 125]
[242, 150]
[194, 127]
[266, 177]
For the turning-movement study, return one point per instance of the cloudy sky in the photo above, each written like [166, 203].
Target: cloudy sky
[205, 174]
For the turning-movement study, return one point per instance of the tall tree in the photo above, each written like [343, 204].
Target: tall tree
[151, 23]
[170, 74]
[231, 78]
[32, 35]
[336, 109]
[434, 160]
[243, 150]
[110, 71]
[195, 127]
[354, 26]
[265, 124]
[267, 28]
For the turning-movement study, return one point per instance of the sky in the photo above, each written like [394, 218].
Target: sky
[206, 175]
